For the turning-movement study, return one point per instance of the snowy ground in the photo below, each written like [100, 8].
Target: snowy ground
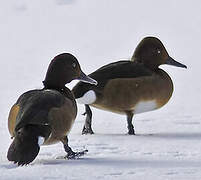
[167, 144]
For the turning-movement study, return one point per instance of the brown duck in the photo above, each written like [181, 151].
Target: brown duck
[129, 87]
[45, 116]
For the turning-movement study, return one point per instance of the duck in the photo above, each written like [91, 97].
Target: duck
[129, 87]
[45, 116]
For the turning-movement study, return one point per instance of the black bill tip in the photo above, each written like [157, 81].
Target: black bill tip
[171, 61]
[83, 77]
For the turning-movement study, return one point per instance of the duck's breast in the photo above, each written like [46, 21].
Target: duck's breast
[140, 94]
[61, 120]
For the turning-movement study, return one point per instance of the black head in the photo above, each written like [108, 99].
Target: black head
[63, 69]
[152, 53]
[24, 147]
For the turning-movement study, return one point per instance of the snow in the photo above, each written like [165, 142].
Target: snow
[167, 144]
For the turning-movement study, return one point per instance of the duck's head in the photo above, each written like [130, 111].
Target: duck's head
[152, 53]
[63, 69]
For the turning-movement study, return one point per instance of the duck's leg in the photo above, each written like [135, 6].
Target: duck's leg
[130, 126]
[70, 153]
[87, 126]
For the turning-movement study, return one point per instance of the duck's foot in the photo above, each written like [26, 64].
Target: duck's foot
[131, 131]
[75, 155]
[87, 130]
[70, 153]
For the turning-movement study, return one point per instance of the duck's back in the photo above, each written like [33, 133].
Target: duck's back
[43, 107]
[115, 70]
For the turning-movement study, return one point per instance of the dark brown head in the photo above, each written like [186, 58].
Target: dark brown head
[152, 53]
[63, 69]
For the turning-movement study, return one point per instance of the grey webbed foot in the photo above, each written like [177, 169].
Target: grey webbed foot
[87, 130]
[70, 153]
[131, 131]
[75, 155]
[87, 126]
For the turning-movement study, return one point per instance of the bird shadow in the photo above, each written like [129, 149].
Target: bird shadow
[111, 162]
[9, 166]
[174, 136]
[123, 163]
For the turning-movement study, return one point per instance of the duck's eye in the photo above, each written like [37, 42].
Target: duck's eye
[158, 51]
[74, 65]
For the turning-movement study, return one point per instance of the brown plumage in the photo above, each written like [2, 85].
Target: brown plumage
[127, 99]
[45, 116]
[130, 87]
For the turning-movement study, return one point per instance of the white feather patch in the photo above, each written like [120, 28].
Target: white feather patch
[88, 98]
[145, 106]
[41, 140]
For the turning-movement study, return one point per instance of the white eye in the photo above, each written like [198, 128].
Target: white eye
[74, 65]
[158, 51]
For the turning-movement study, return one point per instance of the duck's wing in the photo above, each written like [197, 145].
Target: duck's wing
[33, 107]
[120, 69]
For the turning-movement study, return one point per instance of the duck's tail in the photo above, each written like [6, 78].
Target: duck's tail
[26, 145]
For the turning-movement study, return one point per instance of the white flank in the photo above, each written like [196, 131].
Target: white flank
[145, 106]
[88, 98]
[41, 140]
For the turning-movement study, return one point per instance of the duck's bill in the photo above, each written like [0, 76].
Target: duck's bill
[171, 61]
[83, 77]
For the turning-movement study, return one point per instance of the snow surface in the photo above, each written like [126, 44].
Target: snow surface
[168, 141]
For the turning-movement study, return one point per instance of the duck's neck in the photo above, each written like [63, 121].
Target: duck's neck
[149, 64]
[63, 90]
[49, 85]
